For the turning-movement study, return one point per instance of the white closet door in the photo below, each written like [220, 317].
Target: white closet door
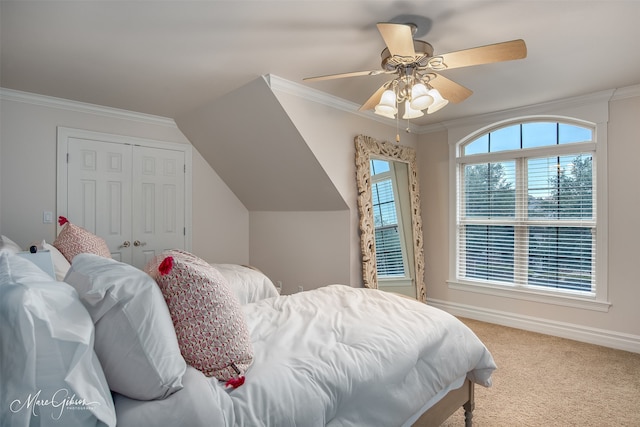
[134, 193]
[99, 192]
[158, 202]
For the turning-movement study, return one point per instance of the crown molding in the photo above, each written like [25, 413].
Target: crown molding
[296, 89]
[435, 127]
[601, 96]
[299, 90]
[626, 92]
[82, 107]
[542, 108]
[286, 86]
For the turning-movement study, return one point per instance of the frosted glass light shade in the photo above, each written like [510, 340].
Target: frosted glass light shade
[382, 112]
[410, 113]
[438, 101]
[420, 97]
[387, 105]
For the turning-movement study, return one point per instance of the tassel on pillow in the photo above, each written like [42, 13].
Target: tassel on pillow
[235, 382]
[165, 266]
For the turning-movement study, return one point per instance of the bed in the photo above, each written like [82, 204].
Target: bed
[333, 356]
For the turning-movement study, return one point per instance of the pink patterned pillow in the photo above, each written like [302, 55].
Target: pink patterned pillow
[74, 240]
[210, 326]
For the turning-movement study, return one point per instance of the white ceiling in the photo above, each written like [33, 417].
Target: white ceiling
[169, 57]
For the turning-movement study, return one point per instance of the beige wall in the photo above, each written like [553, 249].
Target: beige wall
[28, 173]
[624, 211]
[620, 325]
[328, 242]
[433, 170]
[223, 229]
[308, 249]
[330, 133]
[220, 220]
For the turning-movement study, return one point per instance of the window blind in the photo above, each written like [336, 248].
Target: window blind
[389, 251]
[389, 259]
[528, 221]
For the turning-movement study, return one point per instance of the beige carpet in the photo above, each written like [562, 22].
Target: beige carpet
[547, 381]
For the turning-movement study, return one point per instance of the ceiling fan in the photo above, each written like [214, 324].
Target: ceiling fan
[416, 82]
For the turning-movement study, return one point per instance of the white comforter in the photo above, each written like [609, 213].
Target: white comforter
[335, 356]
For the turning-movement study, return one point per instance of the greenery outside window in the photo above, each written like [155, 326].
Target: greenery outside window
[526, 208]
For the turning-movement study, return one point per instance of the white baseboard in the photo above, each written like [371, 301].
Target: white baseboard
[603, 337]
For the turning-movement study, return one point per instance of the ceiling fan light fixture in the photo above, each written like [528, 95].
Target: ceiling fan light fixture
[385, 113]
[420, 97]
[438, 101]
[410, 113]
[387, 105]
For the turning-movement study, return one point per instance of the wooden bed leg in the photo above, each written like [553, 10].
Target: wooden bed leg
[468, 418]
[469, 407]
[449, 404]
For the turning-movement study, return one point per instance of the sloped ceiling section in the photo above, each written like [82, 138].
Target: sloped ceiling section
[252, 144]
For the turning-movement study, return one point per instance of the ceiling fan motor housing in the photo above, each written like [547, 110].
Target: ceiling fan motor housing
[423, 50]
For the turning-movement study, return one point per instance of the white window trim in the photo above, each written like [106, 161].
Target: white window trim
[592, 111]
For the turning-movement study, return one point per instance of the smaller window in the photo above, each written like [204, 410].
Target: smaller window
[527, 135]
[570, 133]
[390, 255]
[478, 146]
[379, 166]
[507, 138]
[539, 134]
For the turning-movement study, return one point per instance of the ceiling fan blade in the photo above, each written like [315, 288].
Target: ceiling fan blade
[449, 89]
[374, 100]
[505, 51]
[398, 38]
[343, 75]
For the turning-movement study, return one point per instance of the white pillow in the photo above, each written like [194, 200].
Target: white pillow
[248, 284]
[46, 342]
[60, 263]
[8, 245]
[196, 404]
[135, 339]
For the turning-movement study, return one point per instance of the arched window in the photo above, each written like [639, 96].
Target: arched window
[526, 207]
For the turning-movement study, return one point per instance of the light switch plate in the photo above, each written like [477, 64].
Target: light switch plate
[47, 217]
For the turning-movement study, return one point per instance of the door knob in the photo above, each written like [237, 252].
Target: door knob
[125, 244]
[138, 243]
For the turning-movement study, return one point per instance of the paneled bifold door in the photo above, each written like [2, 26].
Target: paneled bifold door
[133, 196]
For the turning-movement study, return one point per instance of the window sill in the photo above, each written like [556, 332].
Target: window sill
[540, 296]
[395, 282]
